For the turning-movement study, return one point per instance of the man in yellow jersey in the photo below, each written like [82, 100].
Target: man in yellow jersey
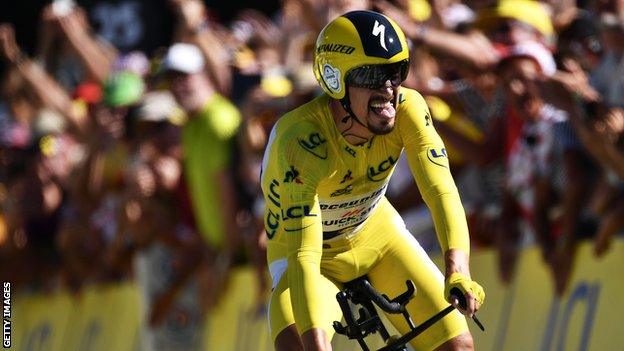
[325, 172]
[207, 144]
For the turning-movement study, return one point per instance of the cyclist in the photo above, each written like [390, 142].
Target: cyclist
[325, 172]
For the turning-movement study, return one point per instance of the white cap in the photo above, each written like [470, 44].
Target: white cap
[535, 51]
[185, 58]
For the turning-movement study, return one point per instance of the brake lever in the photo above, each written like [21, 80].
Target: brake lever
[455, 292]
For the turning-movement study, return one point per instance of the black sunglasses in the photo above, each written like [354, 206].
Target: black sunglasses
[375, 76]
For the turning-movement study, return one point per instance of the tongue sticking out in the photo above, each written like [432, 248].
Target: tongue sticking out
[385, 110]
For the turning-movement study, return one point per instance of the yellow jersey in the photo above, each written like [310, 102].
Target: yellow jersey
[317, 186]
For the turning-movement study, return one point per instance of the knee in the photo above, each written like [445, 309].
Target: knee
[288, 340]
[462, 342]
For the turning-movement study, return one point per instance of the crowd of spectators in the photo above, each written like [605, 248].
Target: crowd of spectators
[118, 163]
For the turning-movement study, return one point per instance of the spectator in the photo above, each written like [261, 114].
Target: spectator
[540, 164]
[597, 120]
[207, 139]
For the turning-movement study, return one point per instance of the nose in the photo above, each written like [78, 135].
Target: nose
[387, 87]
[517, 86]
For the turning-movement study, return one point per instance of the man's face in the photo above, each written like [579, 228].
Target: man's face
[375, 108]
[374, 97]
[520, 76]
[189, 89]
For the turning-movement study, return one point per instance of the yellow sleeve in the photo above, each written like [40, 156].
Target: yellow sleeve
[299, 171]
[429, 164]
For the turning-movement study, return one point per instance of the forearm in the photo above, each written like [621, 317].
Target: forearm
[227, 199]
[430, 168]
[575, 192]
[313, 18]
[304, 245]
[456, 261]
[510, 233]
[96, 61]
[304, 275]
[51, 94]
[460, 47]
[450, 221]
[616, 159]
[541, 222]
[217, 60]
[605, 154]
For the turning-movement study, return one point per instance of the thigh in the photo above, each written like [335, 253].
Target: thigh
[403, 259]
[280, 308]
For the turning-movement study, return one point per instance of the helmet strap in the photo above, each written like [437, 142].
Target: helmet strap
[346, 105]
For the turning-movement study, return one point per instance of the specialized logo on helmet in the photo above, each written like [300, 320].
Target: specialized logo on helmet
[380, 29]
[340, 48]
[331, 76]
[378, 36]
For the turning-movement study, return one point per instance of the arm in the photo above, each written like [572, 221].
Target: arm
[193, 26]
[541, 223]
[508, 237]
[473, 49]
[42, 84]
[574, 196]
[575, 191]
[429, 164]
[293, 219]
[95, 56]
[576, 187]
[601, 150]
[304, 237]
[596, 130]
[227, 198]
[189, 256]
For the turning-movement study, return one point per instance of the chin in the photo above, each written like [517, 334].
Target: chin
[381, 128]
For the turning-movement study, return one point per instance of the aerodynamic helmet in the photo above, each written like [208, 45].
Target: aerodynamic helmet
[360, 48]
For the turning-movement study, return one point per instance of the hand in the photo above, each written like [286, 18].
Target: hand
[263, 28]
[74, 23]
[611, 223]
[471, 292]
[575, 81]
[602, 244]
[8, 47]
[612, 123]
[458, 282]
[192, 13]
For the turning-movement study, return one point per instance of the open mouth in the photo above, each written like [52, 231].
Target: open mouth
[382, 106]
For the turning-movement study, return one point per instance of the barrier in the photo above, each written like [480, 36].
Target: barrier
[522, 316]
[100, 318]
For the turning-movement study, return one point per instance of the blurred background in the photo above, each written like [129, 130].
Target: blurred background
[132, 135]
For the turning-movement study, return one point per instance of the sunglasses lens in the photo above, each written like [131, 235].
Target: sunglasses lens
[374, 77]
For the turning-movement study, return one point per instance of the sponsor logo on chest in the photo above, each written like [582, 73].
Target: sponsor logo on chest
[344, 213]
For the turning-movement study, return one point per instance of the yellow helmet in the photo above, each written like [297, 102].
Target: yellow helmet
[353, 40]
